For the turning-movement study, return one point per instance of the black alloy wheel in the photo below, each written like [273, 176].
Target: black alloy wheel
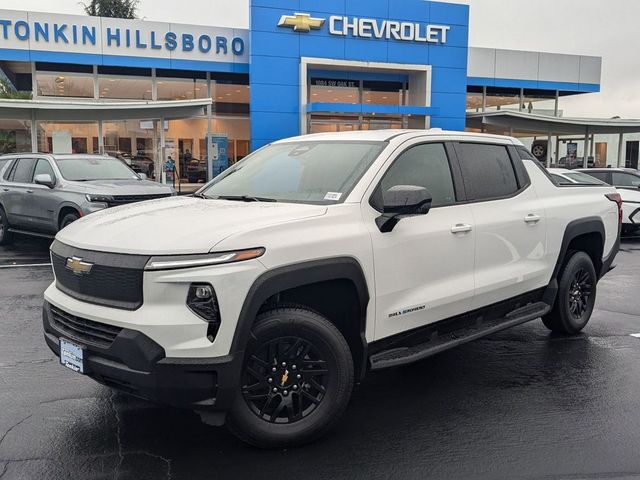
[580, 290]
[285, 380]
[576, 298]
[296, 379]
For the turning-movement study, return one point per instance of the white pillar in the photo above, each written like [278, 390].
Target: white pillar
[585, 159]
[549, 144]
[621, 161]
[100, 137]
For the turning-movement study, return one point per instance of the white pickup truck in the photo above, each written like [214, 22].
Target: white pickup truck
[262, 299]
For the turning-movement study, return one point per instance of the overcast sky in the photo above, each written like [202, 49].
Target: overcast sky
[587, 27]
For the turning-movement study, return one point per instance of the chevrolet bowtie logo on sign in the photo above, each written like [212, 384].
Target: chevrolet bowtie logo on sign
[77, 266]
[301, 22]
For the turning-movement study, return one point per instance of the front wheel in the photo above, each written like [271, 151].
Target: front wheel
[296, 380]
[6, 237]
[576, 296]
[69, 219]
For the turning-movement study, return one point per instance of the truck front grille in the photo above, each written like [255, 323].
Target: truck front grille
[126, 199]
[113, 280]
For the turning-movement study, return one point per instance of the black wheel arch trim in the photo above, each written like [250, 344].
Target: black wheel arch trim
[581, 227]
[297, 275]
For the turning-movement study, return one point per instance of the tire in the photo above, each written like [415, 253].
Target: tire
[308, 391]
[6, 237]
[68, 219]
[539, 150]
[576, 296]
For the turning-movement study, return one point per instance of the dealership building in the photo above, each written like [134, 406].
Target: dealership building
[137, 88]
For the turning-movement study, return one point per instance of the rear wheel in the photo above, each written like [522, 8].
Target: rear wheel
[296, 381]
[576, 296]
[68, 219]
[6, 237]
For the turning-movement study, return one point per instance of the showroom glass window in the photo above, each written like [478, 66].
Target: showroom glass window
[181, 85]
[67, 137]
[125, 83]
[64, 80]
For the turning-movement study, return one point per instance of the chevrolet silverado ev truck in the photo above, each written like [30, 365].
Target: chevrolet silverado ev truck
[262, 299]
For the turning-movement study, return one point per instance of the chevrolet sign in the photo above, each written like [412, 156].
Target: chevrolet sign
[77, 266]
[388, 29]
[369, 28]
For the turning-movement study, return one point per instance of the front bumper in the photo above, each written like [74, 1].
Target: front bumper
[137, 365]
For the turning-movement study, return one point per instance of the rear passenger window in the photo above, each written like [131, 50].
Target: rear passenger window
[487, 171]
[23, 170]
[424, 166]
[625, 180]
[600, 175]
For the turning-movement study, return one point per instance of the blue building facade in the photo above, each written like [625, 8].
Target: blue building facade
[302, 66]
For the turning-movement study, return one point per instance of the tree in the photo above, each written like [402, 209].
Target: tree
[7, 91]
[111, 8]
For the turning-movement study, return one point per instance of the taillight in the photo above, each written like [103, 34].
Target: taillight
[615, 197]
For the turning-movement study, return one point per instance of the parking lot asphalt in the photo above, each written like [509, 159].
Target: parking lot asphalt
[520, 404]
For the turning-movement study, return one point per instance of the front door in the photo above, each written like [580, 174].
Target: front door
[424, 267]
[510, 224]
[41, 208]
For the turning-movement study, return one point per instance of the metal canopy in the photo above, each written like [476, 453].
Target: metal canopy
[528, 122]
[88, 110]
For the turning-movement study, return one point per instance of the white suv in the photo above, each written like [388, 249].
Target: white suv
[263, 298]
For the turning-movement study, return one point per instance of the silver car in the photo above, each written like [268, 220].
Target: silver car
[40, 194]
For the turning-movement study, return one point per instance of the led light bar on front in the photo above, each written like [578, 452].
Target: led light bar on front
[193, 261]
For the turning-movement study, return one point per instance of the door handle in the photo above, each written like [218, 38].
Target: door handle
[29, 191]
[532, 218]
[6, 189]
[461, 228]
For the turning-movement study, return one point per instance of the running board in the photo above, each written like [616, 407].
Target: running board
[439, 343]
[32, 234]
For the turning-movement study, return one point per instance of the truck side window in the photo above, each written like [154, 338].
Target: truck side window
[424, 165]
[487, 171]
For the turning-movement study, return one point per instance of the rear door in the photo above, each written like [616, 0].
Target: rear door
[424, 267]
[17, 191]
[510, 225]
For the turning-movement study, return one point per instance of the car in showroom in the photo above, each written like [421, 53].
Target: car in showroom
[41, 194]
[261, 300]
[197, 171]
[627, 181]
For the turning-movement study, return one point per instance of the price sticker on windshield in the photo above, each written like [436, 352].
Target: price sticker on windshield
[333, 196]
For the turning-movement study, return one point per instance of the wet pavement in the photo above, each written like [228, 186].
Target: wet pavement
[521, 404]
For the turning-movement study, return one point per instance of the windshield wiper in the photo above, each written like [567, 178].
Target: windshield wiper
[244, 198]
[200, 195]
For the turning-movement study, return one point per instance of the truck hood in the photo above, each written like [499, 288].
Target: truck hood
[629, 195]
[177, 225]
[121, 187]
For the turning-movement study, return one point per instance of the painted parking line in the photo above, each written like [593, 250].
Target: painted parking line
[637, 335]
[25, 265]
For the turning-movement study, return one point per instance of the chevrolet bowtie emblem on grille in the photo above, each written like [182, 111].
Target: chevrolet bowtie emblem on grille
[77, 266]
[301, 22]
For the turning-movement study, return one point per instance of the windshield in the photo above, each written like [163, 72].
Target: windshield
[82, 169]
[584, 178]
[320, 172]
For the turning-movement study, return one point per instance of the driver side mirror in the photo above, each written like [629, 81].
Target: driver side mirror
[402, 201]
[44, 179]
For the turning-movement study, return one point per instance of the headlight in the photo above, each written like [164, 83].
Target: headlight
[98, 198]
[191, 261]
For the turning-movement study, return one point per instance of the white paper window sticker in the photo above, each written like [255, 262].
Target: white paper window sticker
[333, 196]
